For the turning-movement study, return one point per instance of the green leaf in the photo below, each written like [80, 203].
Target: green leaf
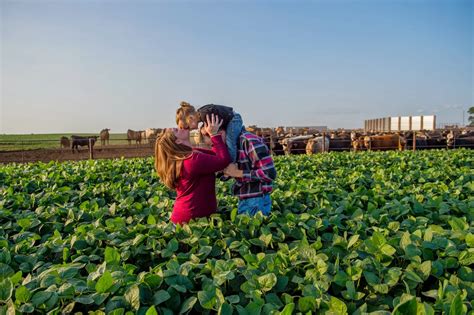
[112, 256]
[151, 311]
[424, 309]
[288, 309]
[456, 305]
[405, 240]
[388, 250]
[337, 306]
[306, 304]
[352, 240]
[254, 308]
[207, 298]
[5, 256]
[458, 224]
[267, 282]
[151, 219]
[425, 269]
[188, 304]
[466, 257]
[470, 240]
[40, 297]
[370, 277]
[84, 299]
[412, 276]
[24, 223]
[132, 296]
[6, 271]
[226, 309]
[233, 214]
[16, 278]
[105, 282]
[6, 290]
[160, 297]
[407, 307]
[22, 294]
[233, 299]
[171, 248]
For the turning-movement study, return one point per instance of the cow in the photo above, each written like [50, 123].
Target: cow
[436, 140]
[340, 141]
[134, 135]
[277, 146]
[459, 141]
[385, 142]
[317, 145]
[357, 143]
[421, 140]
[152, 133]
[64, 142]
[295, 145]
[78, 141]
[104, 136]
[280, 131]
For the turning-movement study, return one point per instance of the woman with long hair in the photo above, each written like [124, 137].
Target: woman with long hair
[191, 172]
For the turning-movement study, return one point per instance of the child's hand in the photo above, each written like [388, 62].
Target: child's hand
[213, 124]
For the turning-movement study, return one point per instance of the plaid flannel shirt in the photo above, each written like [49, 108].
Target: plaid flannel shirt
[257, 164]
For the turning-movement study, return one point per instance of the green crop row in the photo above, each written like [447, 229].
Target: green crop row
[365, 233]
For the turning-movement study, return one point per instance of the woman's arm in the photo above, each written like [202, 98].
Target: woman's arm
[202, 163]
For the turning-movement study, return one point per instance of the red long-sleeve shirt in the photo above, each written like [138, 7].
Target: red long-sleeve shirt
[196, 186]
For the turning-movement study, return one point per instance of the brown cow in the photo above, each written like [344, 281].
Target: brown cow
[385, 142]
[104, 136]
[295, 145]
[64, 142]
[280, 131]
[317, 145]
[134, 135]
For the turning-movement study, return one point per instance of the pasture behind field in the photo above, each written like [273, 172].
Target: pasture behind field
[51, 141]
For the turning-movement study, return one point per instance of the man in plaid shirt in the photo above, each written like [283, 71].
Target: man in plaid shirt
[254, 174]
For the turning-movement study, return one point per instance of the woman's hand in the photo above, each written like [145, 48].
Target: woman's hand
[232, 170]
[213, 124]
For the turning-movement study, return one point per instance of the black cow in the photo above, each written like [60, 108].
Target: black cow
[277, 146]
[461, 141]
[339, 143]
[78, 141]
[421, 140]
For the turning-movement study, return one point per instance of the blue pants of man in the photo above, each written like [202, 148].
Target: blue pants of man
[252, 205]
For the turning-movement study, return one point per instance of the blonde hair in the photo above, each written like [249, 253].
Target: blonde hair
[169, 157]
[183, 114]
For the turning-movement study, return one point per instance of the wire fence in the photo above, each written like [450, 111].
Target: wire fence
[29, 150]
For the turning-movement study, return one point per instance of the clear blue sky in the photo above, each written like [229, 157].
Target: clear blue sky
[80, 65]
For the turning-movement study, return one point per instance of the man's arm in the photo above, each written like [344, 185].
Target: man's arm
[259, 155]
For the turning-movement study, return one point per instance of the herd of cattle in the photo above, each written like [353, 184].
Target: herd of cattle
[311, 142]
[137, 137]
[306, 141]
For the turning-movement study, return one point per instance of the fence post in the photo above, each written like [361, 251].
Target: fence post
[414, 141]
[271, 143]
[91, 149]
[22, 151]
[324, 141]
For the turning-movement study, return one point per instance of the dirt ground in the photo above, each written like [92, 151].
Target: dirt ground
[46, 155]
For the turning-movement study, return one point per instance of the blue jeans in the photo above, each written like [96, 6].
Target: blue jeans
[234, 128]
[252, 205]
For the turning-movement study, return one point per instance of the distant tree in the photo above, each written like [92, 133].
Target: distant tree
[471, 116]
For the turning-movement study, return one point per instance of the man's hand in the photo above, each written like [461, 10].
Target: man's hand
[233, 171]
